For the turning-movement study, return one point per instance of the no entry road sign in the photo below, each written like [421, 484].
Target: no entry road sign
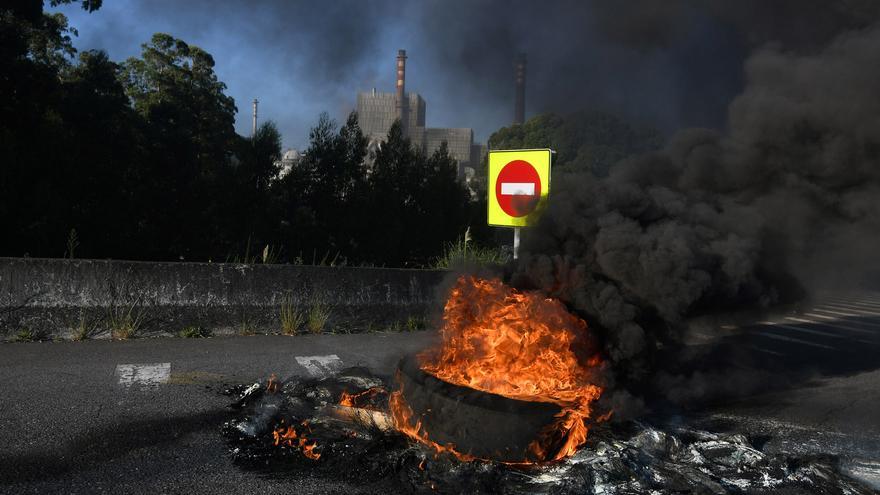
[519, 183]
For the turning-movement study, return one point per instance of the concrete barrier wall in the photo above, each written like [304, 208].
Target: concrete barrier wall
[54, 297]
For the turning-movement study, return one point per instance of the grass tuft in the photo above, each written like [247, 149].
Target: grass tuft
[124, 323]
[25, 335]
[84, 328]
[465, 252]
[247, 327]
[416, 323]
[292, 317]
[194, 332]
[317, 317]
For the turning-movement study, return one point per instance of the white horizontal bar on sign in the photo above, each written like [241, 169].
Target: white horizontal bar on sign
[518, 188]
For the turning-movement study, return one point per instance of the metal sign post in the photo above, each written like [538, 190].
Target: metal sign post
[516, 243]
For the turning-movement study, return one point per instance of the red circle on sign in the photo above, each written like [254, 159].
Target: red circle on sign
[518, 188]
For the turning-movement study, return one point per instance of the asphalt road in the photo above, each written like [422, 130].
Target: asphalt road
[144, 416]
[75, 417]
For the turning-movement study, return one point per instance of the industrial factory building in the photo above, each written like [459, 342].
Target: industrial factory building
[377, 111]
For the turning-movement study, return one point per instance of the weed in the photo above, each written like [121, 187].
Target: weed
[292, 317]
[269, 255]
[247, 327]
[125, 321]
[463, 251]
[72, 244]
[194, 332]
[415, 323]
[25, 335]
[317, 317]
[84, 328]
[126, 313]
[396, 327]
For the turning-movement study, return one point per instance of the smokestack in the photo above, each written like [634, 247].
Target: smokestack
[401, 102]
[254, 126]
[519, 112]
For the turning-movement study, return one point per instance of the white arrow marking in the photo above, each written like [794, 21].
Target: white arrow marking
[518, 188]
[143, 374]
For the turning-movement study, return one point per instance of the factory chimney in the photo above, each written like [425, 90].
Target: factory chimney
[401, 101]
[519, 112]
[254, 126]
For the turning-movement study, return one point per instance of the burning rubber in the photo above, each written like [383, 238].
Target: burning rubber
[521, 346]
[505, 404]
[359, 444]
[475, 424]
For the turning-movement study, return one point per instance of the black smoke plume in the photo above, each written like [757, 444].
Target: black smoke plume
[784, 202]
[664, 63]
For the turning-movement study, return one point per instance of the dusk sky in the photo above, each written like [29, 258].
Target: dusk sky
[668, 68]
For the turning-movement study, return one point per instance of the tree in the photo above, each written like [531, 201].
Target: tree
[445, 204]
[34, 48]
[324, 195]
[247, 218]
[417, 204]
[584, 141]
[189, 127]
[102, 145]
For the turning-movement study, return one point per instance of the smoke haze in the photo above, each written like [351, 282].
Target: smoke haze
[666, 64]
[786, 201]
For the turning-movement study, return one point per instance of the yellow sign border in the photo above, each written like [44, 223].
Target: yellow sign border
[541, 159]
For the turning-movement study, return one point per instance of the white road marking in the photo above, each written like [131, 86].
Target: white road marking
[143, 374]
[799, 329]
[844, 319]
[849, 307]
[832, 312]
[857, 304]
[518, 188]
[832, 325]
[869, 302]
[320, 366]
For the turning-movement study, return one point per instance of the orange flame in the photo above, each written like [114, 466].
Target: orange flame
[360, 399]
[288, 436]
[402, 415]
[520, 345]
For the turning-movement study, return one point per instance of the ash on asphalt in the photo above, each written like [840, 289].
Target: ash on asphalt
[624, 458]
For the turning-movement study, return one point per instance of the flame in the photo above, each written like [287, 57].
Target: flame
[288, 436]
[520, 345]
[402, 415]
[360, 399]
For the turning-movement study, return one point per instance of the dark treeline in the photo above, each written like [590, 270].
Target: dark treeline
[140, 160]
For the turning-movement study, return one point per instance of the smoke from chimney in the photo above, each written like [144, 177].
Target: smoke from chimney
[519, 113]
[401, 102]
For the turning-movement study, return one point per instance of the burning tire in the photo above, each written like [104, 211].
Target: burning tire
[476, 424]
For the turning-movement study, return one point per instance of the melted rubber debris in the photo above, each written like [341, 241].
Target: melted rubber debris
[627, 458]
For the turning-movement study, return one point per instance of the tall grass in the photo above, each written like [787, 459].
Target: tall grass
[465, 252]
[269, 255]
[292, 316]
[317, 317]
[84, 328]
[125, 320]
